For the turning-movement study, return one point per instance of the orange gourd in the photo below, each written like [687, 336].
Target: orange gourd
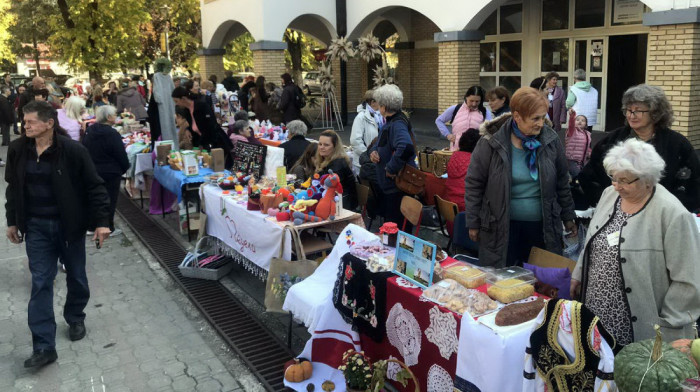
[298, 371]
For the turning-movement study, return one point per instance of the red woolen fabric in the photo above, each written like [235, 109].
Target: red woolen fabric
[456, 173]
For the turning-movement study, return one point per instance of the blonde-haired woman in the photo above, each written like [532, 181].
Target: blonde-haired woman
[331, 155]
[70, 117]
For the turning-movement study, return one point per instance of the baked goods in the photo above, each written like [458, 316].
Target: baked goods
[364, 250]
[510, 290]
[467, 275]
[519, 313]
[459, 299]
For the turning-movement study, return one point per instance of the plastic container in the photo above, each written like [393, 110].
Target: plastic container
[468, 275]
[510, 284]
[459, 299]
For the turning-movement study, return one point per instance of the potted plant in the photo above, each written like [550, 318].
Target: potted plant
[363, 376]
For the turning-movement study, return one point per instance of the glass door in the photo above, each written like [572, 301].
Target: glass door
[590, 54]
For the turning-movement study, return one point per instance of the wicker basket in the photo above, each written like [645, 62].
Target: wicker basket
[189, 269]
[426, 161]
[441, 159]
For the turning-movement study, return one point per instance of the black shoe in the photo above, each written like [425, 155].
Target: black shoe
[76, 331]
[40, 358]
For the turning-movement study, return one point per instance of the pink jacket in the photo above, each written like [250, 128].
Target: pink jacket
[578, 142]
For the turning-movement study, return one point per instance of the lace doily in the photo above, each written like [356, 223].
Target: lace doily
[439, 380]
[442, 332]
[403, 282]
[404, 333]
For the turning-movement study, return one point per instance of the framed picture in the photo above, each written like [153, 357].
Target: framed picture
[415, 259]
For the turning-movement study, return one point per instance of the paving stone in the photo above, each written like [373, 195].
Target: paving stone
[159, 381]
[209, 385]
[184, 383]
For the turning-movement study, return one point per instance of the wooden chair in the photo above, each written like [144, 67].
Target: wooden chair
[412, 211]
[446, 210]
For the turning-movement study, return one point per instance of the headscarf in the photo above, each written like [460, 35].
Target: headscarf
[531, 144]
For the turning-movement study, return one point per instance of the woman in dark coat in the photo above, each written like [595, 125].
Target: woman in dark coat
[518, 185]
[288, 102]
[107, 152]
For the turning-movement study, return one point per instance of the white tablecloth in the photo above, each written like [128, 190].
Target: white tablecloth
[142, 167]
[310, 299]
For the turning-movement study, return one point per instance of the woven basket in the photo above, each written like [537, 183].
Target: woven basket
[201, 250]
[441, 159]
[426, 161]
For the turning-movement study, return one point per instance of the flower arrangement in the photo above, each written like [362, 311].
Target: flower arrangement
[281, 286]
[357, 370]
[360, 374]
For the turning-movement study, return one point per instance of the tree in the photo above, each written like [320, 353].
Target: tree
[31, 28]
[7, 19]
[299, 56]
[98, 35]
[238, 55]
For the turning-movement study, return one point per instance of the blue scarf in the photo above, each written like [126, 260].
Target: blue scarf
[531, 144]
[377, 116]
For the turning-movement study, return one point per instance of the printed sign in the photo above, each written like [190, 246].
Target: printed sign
[627, 11]
[415, 259]
[249, 159]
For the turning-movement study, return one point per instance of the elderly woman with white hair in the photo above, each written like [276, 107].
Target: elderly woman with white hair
[70, 117]
[296, 145]
[394, 149]
[639, 267]
[107, 152]
[648, 117]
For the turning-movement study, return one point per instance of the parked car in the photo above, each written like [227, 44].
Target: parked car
[61, 79]
[312, 83]
[18, 79]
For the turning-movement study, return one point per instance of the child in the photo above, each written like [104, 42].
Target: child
[457, 168]
[578, 143]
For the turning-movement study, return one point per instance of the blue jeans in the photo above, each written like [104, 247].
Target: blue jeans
[45, 244]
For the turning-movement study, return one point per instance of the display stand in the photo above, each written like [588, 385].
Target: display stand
[330, 112]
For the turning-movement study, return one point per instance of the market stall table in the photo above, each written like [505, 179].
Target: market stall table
[176, 182]
[268, 142]
[254, 236]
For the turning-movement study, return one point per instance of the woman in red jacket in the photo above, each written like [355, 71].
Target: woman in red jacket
[457, 168]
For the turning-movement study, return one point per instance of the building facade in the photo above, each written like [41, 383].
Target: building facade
[446, 46]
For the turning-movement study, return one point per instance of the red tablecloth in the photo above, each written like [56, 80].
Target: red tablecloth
[433, 186]
[429, 355]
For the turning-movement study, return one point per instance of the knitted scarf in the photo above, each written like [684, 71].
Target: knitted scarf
[531, 144]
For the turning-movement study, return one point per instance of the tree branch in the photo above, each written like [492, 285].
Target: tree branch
[65, 13]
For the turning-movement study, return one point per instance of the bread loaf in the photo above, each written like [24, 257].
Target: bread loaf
[519, 313]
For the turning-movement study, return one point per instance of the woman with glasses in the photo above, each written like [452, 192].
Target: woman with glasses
[648, 117]
[518, 193]
[639, 265]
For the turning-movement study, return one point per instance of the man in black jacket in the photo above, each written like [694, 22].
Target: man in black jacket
[230, 82]
[288, 102]
[7, 116]
[53, 197]
[37, 84]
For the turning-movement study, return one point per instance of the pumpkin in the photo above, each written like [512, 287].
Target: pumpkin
[664, 372]
[684, 346]
[298, 371]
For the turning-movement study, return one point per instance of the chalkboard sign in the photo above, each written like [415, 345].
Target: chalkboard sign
[249, 159]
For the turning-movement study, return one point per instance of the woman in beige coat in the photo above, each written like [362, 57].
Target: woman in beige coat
[640, 264]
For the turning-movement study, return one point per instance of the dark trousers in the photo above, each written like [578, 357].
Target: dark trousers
[391, 204]
[5, 131]
[112, 185]
[45, 244]
[521, 238]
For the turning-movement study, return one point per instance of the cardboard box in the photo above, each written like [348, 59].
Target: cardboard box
[162, 153]
[543, 258]
[190, 163]
[218, 160]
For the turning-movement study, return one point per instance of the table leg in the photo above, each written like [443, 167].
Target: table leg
[187, 214]
[162, 202]
[141, 195]
[289, 330]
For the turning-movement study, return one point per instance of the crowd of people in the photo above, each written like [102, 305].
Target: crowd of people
[514, 171]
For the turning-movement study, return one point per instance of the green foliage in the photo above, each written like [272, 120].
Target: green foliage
[301, 45]
[30, 28]
[182, 20]
[98, 35]
[239, 57]
[7, 19]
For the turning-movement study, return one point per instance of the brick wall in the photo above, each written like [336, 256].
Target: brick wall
[674, 55]
[424, 77]
[270, 64]
[422, 28]
[211, 65]
[404, 77]
[356, 89]
[458, 69]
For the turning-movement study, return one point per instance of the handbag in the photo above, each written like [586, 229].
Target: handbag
[442, 157]
[410, 180]
[284, 274]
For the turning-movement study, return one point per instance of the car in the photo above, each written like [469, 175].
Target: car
[18, 79]
[312, 83]
[61, 79]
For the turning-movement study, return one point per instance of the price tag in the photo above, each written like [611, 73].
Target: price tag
[614, 238]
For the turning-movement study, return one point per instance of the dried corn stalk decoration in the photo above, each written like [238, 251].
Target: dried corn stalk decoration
[368, 49]
[340, 48]
[326, 79]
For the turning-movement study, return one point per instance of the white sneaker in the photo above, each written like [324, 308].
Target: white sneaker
[116, 232]
[2, 163]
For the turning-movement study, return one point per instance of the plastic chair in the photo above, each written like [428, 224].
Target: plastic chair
[446, 210]
[460, 236]
[412, 211]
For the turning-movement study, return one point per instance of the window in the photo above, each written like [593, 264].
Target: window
[589, 13]
[490, 25]
[511, 19]
[555, 55]
[488, 57]
[510, 56]
[555, 15]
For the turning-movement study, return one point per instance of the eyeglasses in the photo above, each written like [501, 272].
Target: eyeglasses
[623, 182]
[633, 113]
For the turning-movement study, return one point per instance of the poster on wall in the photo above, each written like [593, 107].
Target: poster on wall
[627, 11]
[415, 259]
